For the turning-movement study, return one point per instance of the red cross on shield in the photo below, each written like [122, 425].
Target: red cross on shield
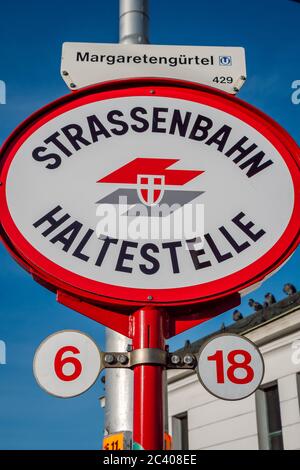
[150, 188]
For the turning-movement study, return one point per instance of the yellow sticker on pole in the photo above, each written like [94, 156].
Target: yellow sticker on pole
[117, 441]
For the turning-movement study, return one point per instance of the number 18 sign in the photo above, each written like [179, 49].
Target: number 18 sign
[230, 367]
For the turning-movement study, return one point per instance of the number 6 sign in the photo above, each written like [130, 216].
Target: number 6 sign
[230, 367]
[67, 363]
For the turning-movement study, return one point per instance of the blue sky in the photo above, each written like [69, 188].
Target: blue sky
[31, 36]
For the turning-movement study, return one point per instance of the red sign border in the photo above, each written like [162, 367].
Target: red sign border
[56, 277]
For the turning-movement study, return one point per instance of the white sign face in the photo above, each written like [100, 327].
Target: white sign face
[67, 363]
[130, 194]
[84, 64]
[230, 367]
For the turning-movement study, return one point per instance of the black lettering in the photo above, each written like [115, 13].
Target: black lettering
[96, 128]
[106, 243]
[172, 247]
[75, 138]
[123, 255]
[78, 250]
[135, 116]
[238, 248]
[122, 124]
[157, 119]
[246, 228]
[162, 60]
[68, 235]
[179, 123]
[199, 127]
[154, 262]
[255, 164]
[110, 59]
[36, 154]
[220, 137]
[83, 57]
[242, 151]
[49, 218]
[217, 254]
[120, 59]
[54, 140]
[195, 255]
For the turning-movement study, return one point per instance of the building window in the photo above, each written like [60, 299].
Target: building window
[180, 431]
[274, 417]
[269, 417]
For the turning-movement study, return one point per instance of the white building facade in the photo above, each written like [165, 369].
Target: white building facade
[268, 419]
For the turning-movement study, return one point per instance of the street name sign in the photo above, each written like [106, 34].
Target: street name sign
[67, 363]
[150, 192]
[230, 367]
[85, 64]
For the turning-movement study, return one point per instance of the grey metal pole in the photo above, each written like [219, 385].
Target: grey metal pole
[166, 402]
[118, 389]
[119, 382]
[134, 22]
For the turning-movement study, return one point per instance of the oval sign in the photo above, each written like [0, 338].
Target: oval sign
[150, 191]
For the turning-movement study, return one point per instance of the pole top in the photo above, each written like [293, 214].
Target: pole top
[134, 20]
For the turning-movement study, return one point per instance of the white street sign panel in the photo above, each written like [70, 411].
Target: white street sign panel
[84, 64]
[67, 363]
[230, 367]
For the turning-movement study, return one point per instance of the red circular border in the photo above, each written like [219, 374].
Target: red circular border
[56, 277]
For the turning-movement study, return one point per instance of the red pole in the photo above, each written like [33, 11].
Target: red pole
[148, 413]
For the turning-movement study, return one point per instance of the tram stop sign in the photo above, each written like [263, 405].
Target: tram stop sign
[150, 191]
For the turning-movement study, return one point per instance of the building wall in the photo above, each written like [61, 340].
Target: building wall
[218, 424]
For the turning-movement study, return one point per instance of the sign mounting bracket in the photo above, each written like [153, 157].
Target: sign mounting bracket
[174, 323]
